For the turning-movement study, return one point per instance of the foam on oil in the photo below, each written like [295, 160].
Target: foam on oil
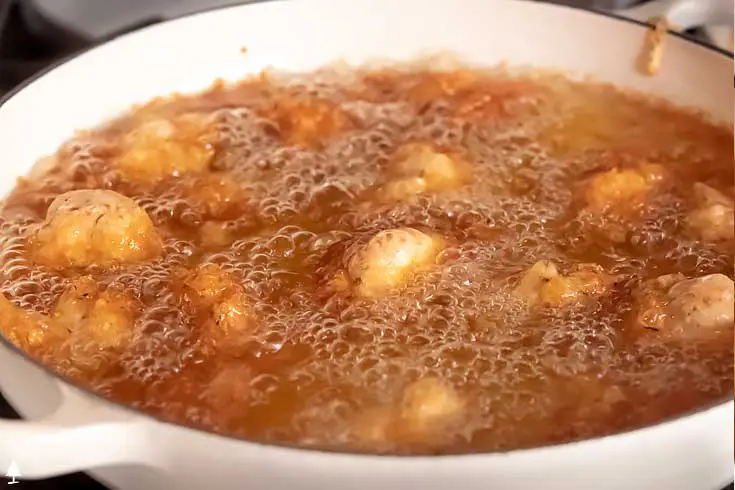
[317, 357]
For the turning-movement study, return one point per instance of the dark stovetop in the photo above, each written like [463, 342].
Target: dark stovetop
[21, 55]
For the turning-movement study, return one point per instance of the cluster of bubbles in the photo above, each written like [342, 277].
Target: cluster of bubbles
[315, 356]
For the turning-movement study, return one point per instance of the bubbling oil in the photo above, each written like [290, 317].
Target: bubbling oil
[317, 358]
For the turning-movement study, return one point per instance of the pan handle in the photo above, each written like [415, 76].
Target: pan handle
[80, 433]
[685, 14]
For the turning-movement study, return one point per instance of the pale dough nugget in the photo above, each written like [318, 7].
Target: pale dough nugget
[228, 392]
[215, 234]
[102, 318]
[713, 220]
[686, 309]
[92, 319]
[620, 194]
[390, 259]
[307, 122]
[216, 293]
[621, 191]
[27, 330]
[543, 284]
[374, 427]
[429, 405]
[161, 148]
[217, 195]
[419, 168]
[424, 412]
[101, 227]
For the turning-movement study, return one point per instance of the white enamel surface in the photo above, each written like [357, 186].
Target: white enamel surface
[685, 14]
[688, 453]
[721, 36]
[68, 425]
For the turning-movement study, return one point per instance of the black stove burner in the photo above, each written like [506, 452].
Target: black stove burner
[22, 53]
[30, 42]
